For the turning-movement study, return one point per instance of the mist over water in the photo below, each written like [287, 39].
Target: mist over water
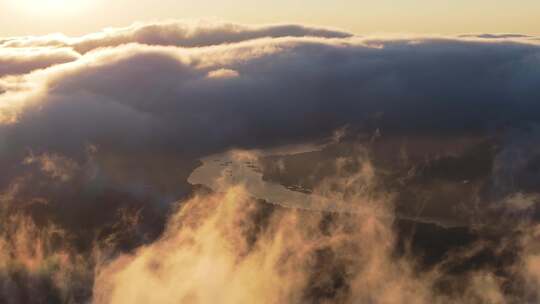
[242, 167]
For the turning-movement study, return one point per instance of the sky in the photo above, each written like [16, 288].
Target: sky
[78, 17]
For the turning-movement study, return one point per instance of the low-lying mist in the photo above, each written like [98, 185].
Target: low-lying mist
[229, 247]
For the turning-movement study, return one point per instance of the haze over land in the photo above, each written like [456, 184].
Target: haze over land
[421, 183]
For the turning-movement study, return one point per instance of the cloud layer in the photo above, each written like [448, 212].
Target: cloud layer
[260, 86]
[107, 127]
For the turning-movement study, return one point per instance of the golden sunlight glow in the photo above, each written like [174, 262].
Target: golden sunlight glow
[361, 17]
[50, 7]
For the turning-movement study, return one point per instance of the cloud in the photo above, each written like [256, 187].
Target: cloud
[152, 111]
[55, 166]
[174, 33]
[117, 120]
[301, 75]
[497, 36]
[16, 61]
[158, 103]
[230, 248]
[197, 34]
[223, 73]
[38, 265]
